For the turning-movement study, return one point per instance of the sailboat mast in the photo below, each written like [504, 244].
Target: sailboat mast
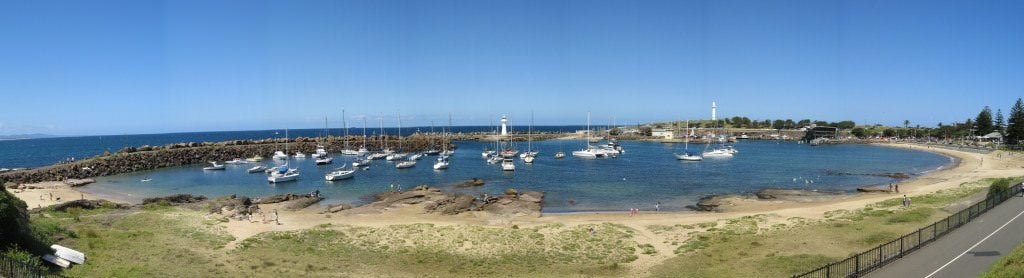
[364, 131]
[383, 144]
[529, 134]
[344, 124]
[399, 132]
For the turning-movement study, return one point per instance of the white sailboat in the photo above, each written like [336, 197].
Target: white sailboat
[405, 164]
[398, 155]
[446, 151]
[686, 155]
[257, 169]
[529, 155]
[279, 155]
[283, 174]
[362, 150]
[320, 152]
[340, 174]
[442, 163]
[717, 152]
[344, 124]
[589, 151]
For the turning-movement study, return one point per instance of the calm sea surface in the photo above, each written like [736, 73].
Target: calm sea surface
[646, 174]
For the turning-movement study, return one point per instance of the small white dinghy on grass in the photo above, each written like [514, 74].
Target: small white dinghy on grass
[56, 261]
[67, 254]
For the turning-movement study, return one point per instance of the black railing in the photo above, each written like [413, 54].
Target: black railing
[10, 267]
[865, 262]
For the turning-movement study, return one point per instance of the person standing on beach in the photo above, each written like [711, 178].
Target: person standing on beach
[657, 207]
[897, 186]
[905, 201]
[276, 219]
[392, 188]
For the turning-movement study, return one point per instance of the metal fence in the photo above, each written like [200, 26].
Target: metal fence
[865, 262]
[10, 267]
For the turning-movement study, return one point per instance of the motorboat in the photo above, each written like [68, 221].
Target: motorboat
[340, 174]
[324, 160]
[215, 166]
[493, 160]
[730, 149]
[320, 152]
[361, 162]
[509, 153]
[236, 161]
[257, 169]
[442, 163]
[559, 155]
[405, 164]
[300, 155]
[525, 154]
[395, 156]
[146, 180]
[507, 164]
[688, 157]
[718, 153]
[279, 155]
[254, 159]
[586, 153]
[283, 174]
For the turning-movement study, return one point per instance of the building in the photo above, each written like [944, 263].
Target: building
[667, 134]
[827, 132]
[991, 137]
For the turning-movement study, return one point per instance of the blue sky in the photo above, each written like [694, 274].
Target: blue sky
[113, 67]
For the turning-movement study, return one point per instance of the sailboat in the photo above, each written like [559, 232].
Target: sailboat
[340, 174]
[344, 124]
[487, 153]
[530, 154]
[362, 150]
[589, 151]
[446, 151]
[283, 174]
[398, 155]
[279, 155]
[321, 155]
[686, 155]
[718, 152]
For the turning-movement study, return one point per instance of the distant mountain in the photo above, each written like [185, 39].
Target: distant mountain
[26, 136]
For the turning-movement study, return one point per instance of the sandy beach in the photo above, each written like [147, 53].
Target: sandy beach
[971, 167]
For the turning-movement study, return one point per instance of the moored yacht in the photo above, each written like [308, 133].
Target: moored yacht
[339, 174]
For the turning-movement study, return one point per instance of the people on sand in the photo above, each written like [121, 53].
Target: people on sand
[657, 207]
[906, 201]
[897, 186]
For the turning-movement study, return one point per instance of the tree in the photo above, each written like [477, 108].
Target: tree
[889, 132]
[1000, 123]
[906, 123]
[778, 124]
[860, 132]
[645, 131]
[1015, 125]
[820, 123]
[845, 124]
[804, 122]
[984, 122]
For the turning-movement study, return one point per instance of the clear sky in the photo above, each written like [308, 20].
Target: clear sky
[136, 66]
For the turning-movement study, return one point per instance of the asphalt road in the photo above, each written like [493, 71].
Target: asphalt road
[967, 251]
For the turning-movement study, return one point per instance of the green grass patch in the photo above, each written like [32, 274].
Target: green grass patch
[916, 215]
[1011, 265]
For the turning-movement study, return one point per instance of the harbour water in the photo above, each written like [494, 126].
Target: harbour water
[647, 173]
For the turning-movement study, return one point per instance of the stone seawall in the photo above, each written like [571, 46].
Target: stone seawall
[133, 159]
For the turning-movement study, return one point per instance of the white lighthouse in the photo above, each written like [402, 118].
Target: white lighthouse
[504, 125]
[713, 110]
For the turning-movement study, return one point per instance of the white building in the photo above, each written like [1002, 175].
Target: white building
[663, 133]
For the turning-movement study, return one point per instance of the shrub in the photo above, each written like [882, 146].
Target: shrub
[998, 187]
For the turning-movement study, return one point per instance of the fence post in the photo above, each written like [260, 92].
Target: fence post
[856, 265]
[901, 245]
